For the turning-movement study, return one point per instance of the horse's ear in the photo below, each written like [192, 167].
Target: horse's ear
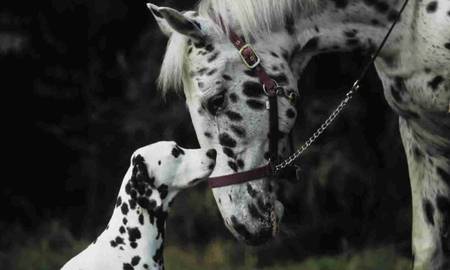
[170, 20]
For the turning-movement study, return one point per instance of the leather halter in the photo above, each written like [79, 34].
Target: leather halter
[272, 90]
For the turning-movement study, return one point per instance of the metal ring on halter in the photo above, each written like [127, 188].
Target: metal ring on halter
[278, 89]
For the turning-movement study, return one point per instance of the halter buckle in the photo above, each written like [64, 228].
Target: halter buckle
[249, 56]
[277, 90]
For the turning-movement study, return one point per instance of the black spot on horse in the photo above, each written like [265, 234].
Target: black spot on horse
[290, 113]
[233, 97]
[396, 95]
[233, 116]
[429, 211]
[239, 131]
[435, 82]
[382, 7]
[230, 198]
[255, 104]
[432, 6]
[207, 135]
[312, 44]
[253, 89]
[226, 140]
[340, 3]
[274, 54]
[418, 155]
[227, 77]
[177, 151]
[253, 210]
[251, 191]
[240, 228]
[211, 72]
[233, 166]
[240, 163]
[444, 175]
[213, 57]
[447, 45]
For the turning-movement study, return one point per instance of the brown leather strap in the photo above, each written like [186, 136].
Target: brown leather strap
[242, 177]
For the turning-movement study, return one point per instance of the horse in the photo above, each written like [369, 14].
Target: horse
[134, 236]
[226, 101]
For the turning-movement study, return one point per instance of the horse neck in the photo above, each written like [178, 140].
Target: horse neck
[133, 231]
[349, 25]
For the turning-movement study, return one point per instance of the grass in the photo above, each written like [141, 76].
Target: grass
[55, 246]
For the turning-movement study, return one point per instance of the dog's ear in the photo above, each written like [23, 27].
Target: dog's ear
[141, 185]
[170, 20]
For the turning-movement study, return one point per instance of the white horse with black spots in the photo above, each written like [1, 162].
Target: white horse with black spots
[226, 101]
[134, 237]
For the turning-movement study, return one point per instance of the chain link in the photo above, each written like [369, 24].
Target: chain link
[288, 161]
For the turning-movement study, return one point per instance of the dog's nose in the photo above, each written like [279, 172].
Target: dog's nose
[212, 154]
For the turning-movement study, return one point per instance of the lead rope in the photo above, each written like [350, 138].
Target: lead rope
[348, 96]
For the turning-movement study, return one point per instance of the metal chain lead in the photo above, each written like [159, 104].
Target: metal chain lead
[288, 161]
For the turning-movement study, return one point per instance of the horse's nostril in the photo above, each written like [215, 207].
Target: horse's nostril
[212, 153]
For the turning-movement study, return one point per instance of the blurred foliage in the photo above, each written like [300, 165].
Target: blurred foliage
[84, 103]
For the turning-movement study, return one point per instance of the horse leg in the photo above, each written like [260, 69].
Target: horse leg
[429, 178]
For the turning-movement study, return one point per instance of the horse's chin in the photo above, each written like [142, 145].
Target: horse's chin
[257, 231]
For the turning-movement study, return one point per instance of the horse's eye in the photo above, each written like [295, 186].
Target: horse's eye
[216, 103]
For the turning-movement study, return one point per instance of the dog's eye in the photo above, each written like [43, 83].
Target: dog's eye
[216, 103]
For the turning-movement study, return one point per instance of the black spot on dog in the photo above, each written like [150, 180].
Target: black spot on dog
[132, 204]
[226, 140]
[127, 266]
[228, 151]
[133, 244]
[239, 131]
[432, 6]
[252, 89]
[133, 234]
[443, 175]
[233, 166]
[447, 45]
[163, 191]
[135, 260]
[255, 104]
[113, 243]
[119, 201]
[227, 77]
[124, 208]
[122, 229]
[124, 221]
[290, 113]
[233, 116]
[158, 257]
[429, 211]
[145, 266]
[141, 219]
[435, 82]
[211, 153]
[177, 151]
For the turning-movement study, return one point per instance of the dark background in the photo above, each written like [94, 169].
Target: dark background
[78, 97]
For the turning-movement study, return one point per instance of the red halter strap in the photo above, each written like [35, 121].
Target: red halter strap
[271, 89]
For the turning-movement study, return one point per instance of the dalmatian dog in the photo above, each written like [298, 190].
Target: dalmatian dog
[134, 237]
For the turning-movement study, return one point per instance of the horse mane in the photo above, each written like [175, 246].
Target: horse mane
[253, 17]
